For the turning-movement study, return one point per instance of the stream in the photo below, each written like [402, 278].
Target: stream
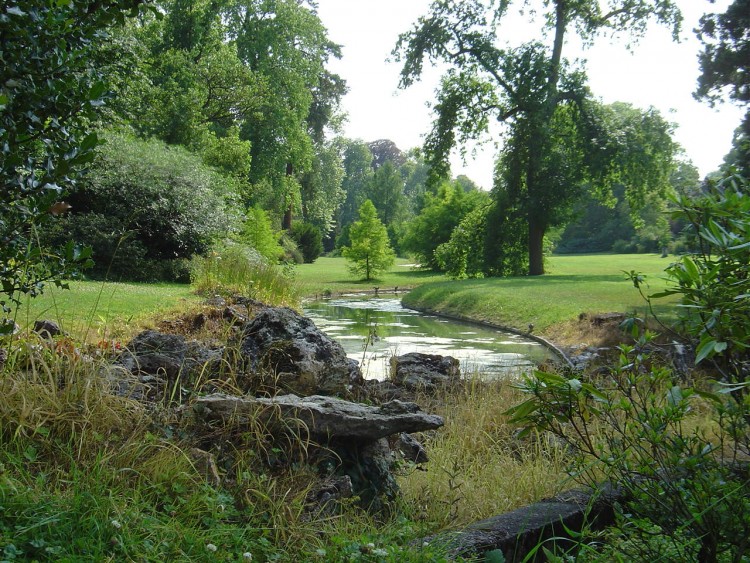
[372, 329]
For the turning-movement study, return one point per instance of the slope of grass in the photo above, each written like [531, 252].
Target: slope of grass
[574, 285]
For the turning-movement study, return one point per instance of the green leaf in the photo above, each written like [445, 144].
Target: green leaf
[705, 349]
[691, 268]
[674, 396]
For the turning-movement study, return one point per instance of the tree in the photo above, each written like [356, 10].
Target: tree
[285, 44]
[386, 191]
[554, 140]
[370, 252]
[440, 216]
[50, 91]
[321, 191]
[357, 173]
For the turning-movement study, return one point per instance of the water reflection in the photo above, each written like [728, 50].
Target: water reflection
[371, 330]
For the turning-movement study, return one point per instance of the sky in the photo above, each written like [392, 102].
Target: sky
[657, 72]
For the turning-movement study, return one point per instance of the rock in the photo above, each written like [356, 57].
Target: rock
[327, 417]
[324, 498]
[47, 329]
[302, 359]
[154, 353]
[424, 371]
[352, 434]
[234, 316]
[410, 449]
[159, 359]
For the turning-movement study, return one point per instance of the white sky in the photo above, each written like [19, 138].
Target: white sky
[657, 73]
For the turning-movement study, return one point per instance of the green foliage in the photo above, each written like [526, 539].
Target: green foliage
[557, 141]
[370, 251]
[49, 95]
[441, 214]
[309, 241]
[724, 67]
[258, 233]
[713, 284]
[321, 191]
[155, 204]
[636, 427]
[459, 257]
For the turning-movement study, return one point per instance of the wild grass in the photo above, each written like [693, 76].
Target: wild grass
[478, 468]
[88, 475]
[233, 270]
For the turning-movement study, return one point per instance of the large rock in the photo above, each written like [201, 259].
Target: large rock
[417, 371]
[158, 360]
[301, 358]
[328, 417]
[351, 434]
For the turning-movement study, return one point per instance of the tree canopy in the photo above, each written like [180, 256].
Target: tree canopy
[556, 142]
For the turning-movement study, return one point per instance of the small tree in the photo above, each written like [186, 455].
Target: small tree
[370, 251]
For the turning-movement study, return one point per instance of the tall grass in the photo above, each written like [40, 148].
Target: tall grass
[478, 468]
[238, 270]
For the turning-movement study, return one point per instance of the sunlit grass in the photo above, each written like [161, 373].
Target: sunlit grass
[478, 468]
[331, 275]
[97, 310]
[576, 284]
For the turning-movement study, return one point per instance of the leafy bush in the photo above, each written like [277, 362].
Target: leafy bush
[50, 94]
[642, 428]
[154, 203]
[309, 241]
[434, 225]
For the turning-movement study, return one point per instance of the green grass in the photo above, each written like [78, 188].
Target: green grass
[574, 285]
[331, 275]
[89, 309]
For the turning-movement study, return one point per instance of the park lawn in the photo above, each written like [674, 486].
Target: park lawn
[574, 285]
[95, 310]
[332, 275]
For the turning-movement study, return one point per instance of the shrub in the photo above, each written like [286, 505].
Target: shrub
[309, 241]
[642, 428]
[153, 203]
[258, 233]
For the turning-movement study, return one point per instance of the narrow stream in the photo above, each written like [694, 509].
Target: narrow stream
[371, 330]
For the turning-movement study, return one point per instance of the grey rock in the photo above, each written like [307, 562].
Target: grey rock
[302, 359]
[410, 449]
[47, 328]
[424, 371]
[159, 359]
[329, 417]
[325, 497]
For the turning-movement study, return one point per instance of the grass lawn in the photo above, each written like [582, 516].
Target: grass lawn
[331, 274]
[104, 309]
[574, 285]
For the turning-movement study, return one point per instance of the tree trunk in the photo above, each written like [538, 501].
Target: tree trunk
[536, 248]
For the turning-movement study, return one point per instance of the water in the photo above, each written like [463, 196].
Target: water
[371, 330]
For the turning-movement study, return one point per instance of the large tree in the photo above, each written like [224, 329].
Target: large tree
[725, 68]
[555, 141]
